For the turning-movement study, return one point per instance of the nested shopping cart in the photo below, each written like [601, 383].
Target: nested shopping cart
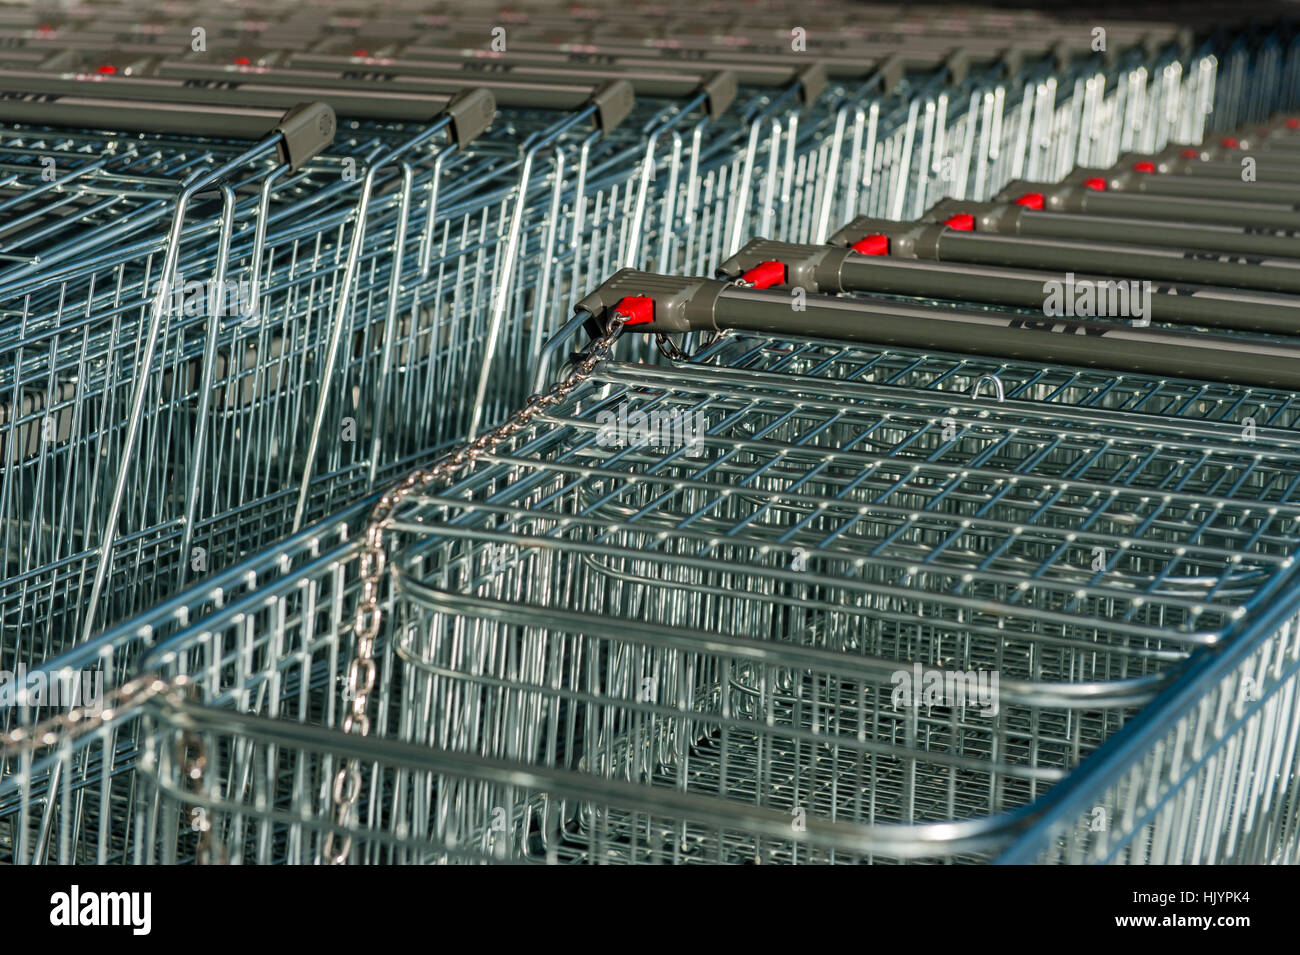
[320, 283]
[237, 806]
[299, 359]
[338, 319]
[1206, 772]
[762, 166]
[681, 641]
[164, 298]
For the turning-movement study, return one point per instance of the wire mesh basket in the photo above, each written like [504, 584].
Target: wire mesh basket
[387, 273]
[379, 271]
[795, 600]
[632, 617]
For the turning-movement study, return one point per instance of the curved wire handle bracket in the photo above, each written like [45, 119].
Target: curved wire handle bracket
[998, 390]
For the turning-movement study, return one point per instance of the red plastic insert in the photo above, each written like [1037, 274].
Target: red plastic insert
[1292, 123]
[243, 61]
[872, 245]
[765, 274]
[636, 309]
[1096, 183]
[1145, 165]
[1191, 154]
[107, 69]
[962, 222]
[1032, 200]
[1227, 142]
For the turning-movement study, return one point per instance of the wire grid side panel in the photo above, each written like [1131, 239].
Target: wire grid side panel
[268, 805]
[970, 142]
[1218, 787]
[220, 455]
[743, 719]
[239, 331]
[271, 799]
[1255, 79]
[81, 802]
[792, 727]
[1239, 407]
[73, 361]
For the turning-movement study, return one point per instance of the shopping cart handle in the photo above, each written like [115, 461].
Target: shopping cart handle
[1087, 192]
[471, 112]
[720, 91]
[215, 95]
[891, 72]
[884, 260]
[812, 81]
[306, 128]
[1062, 55]
[1012, 61]
[813, 268]
[613, 101]
[516, 77]
[678, 304]
[958, 66]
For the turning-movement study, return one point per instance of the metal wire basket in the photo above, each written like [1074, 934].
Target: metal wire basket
[369, 283]
[598, 616]
[364, 284]
[687, 647]
[346, 308]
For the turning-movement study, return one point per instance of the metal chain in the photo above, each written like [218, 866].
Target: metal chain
[83, 719]
[361, 671]
[668, 348]
[191, 751]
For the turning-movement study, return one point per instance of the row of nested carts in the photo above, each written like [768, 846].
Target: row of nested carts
[709, 433]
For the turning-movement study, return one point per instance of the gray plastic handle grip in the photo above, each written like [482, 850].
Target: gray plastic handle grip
[379, 80]
[306, 128]
[370, 104]
[694, 304]
[516, 69]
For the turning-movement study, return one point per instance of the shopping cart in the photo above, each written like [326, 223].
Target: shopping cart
[160, 297]
[452, 253]
[604, 630]
[450, 208]
[1156, 792]
[792, 197]
[604, 770]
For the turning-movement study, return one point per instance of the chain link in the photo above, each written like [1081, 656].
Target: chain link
[361, 672]
[192, 754]
[191, 751]
[83, 719]
[668, 348]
